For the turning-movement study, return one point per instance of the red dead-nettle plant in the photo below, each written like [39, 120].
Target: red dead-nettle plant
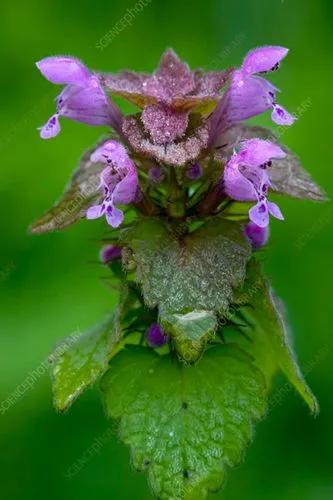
[185, 361]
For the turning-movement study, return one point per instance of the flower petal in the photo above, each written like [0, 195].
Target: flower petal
[51, 127]
[89, 105]
[114, 216]
[236, 185]
[95, 211]
[281, 115]
[64, 70]
[111, 152]
[255, 152]
[126, 190]
[246, 97]
[257, 176]
[274, 210]
[263, 59]
[259, 214]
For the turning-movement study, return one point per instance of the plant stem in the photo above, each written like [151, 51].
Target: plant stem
[145, 206]
[176, 199]
[212, 200]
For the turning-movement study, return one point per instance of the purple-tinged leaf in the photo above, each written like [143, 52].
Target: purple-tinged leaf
[81, 192]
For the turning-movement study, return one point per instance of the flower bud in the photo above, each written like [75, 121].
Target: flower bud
[194, 172]
[110, 253]
[156, 337]
[156, 175]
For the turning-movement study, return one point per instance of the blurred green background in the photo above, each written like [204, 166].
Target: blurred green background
[51, 286]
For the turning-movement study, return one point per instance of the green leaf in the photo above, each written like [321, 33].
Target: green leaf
[80, 363]
[185, 424]
[180, 272]
[287, 175]
[267, 336]
[77, 363]
[190, 332]
[81, 192]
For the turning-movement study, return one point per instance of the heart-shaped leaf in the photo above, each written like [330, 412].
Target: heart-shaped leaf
[181, 272]
[185, 424]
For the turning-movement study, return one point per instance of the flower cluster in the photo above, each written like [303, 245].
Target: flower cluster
[179, 150]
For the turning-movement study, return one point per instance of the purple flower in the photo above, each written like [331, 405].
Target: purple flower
[169, 95]
[83, 98]
[110, 253]
[119, 181]
[246, 178]
[249, 94]
[258, 236]
[156, 337]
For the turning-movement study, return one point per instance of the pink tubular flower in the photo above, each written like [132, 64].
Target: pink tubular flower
[83, 98]
[246, 178]
[249, 94]
[262, 60]
[119, 181]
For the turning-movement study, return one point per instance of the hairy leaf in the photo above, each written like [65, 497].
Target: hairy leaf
[190, 332]
[80, 363]
[267, 334]
[195, 271]
[77, 363]
[185, 424]
[287, 175]
[81, 192]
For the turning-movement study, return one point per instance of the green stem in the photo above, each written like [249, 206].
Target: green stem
[176, 199]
